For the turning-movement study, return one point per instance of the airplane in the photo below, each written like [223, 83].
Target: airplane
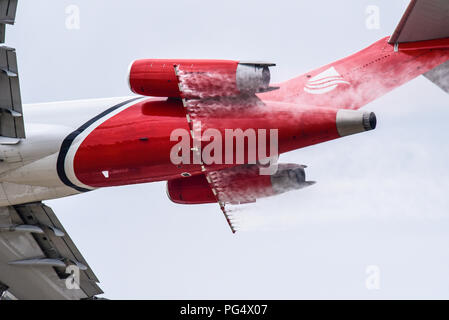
[213, 129]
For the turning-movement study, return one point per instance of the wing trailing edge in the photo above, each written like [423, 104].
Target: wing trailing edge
[11, 118]
[35, 253]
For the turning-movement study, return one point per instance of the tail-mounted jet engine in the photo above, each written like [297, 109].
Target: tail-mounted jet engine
[242, 184]
[198, 78]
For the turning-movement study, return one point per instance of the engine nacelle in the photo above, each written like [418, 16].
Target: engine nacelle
[238, 185]
[198, 78]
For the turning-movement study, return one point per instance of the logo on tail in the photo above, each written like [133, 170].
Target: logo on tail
[324, 82]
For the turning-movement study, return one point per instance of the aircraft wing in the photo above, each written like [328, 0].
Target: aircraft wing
[424, 20]
[11, 118]
[7, 15]
[38, 259]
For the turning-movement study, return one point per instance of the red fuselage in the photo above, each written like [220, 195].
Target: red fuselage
[134, 145]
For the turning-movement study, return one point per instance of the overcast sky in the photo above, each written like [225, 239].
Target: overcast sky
[381, 197]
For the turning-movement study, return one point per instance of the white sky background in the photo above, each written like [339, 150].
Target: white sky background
[381, 197]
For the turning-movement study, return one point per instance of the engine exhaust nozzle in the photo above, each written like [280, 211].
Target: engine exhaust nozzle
[291, 177]
[354, 121]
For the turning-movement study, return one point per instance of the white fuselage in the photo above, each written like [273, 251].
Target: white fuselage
[28, 170]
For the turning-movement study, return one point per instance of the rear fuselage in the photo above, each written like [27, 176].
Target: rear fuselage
[78, 146]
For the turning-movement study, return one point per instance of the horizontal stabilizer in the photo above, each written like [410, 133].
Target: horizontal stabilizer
[423, 20]
[440, 76]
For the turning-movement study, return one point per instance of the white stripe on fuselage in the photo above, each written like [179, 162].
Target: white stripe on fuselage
[68, 165]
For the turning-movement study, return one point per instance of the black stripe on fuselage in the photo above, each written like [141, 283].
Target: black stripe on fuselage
[67, 143]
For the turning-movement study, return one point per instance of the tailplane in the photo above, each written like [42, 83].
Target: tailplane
[425, 24]
[440, 76]
[423, 20]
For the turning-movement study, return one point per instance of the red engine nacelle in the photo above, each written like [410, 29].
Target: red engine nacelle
[197, 78]
[238, 185]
